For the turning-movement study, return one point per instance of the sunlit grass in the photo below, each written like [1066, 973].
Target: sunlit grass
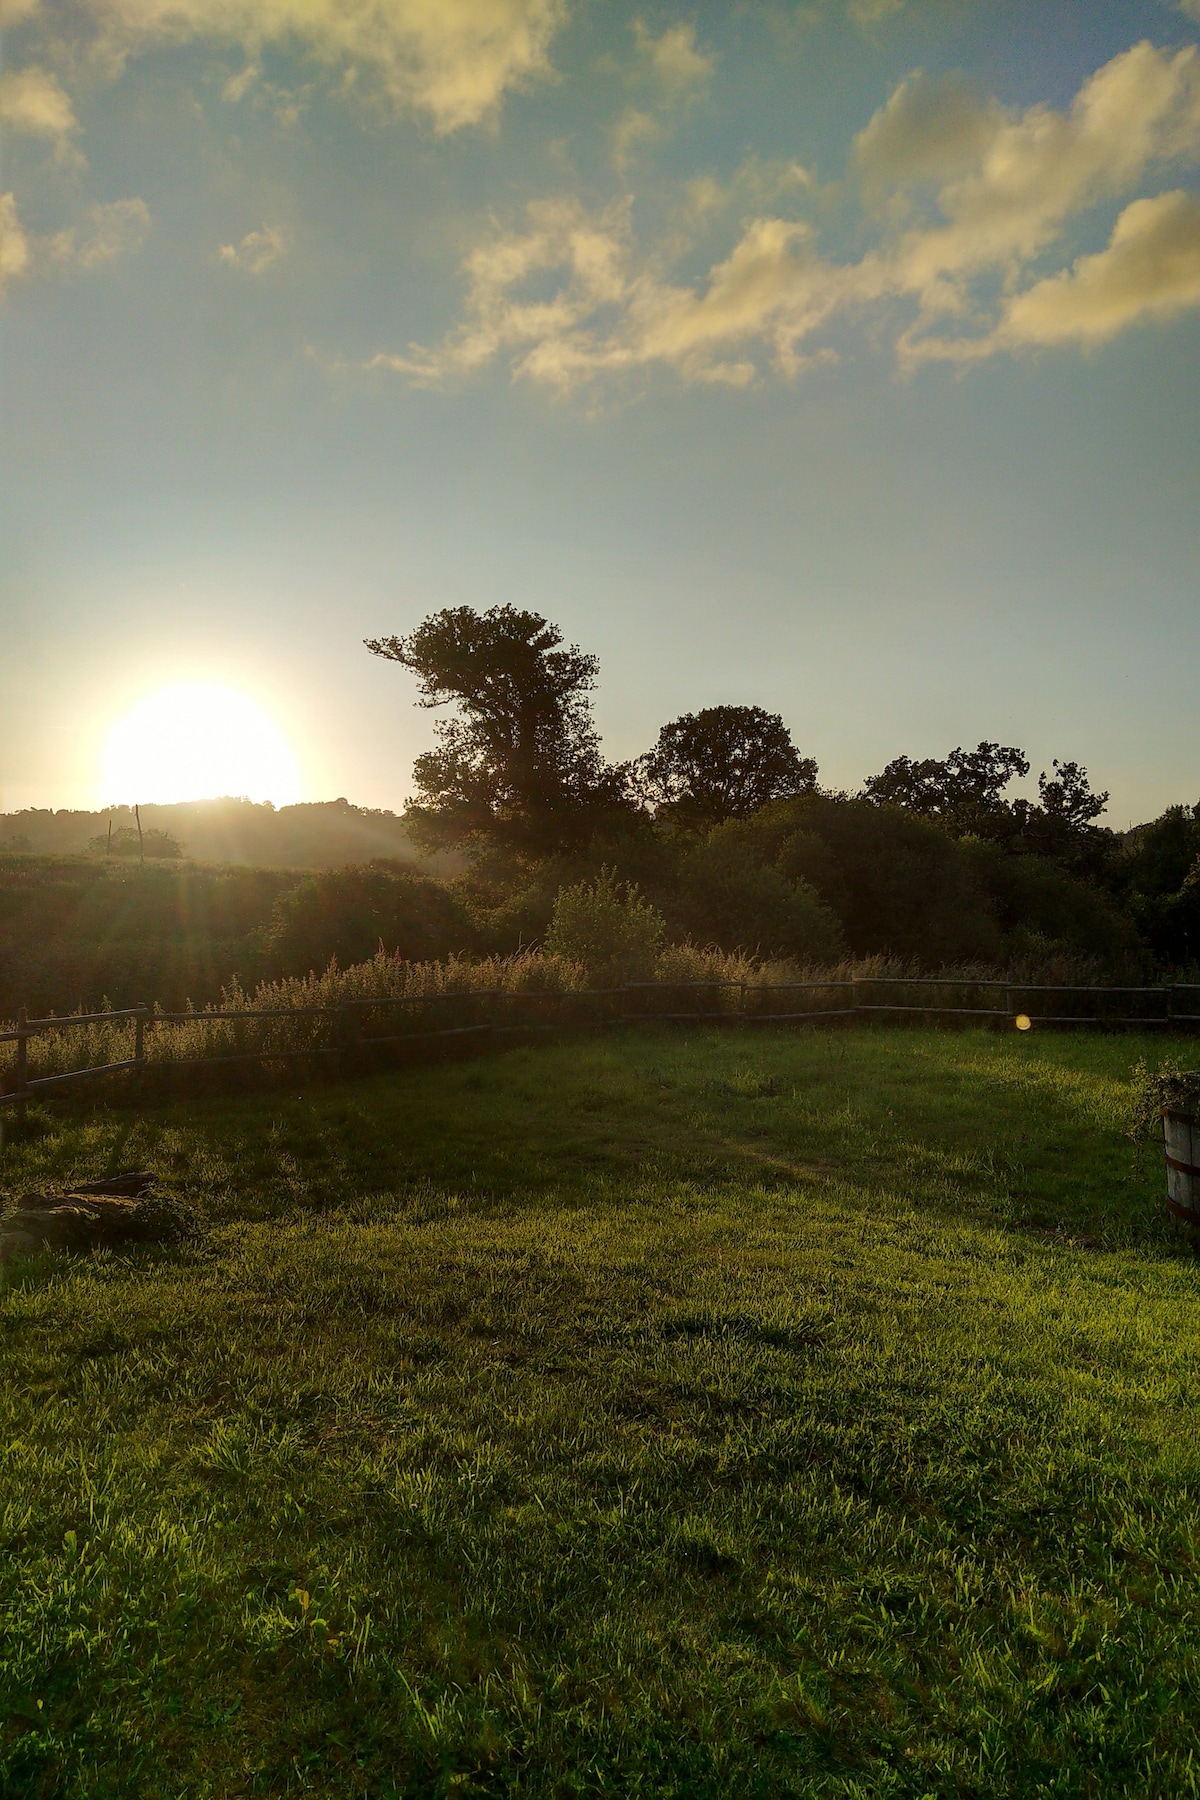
[727, 1414]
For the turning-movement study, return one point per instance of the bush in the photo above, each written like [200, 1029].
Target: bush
[899, 884]
[350, 914]
[127, 842]
[1041, 908]
[608, 927]
[729, 895]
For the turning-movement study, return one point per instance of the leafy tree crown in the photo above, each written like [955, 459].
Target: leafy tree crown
[724, 762]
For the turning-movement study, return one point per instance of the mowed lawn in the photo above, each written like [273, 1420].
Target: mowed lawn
[739, 1413]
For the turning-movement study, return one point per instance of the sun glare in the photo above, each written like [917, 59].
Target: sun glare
[197, 741]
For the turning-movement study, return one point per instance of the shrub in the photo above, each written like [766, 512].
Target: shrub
[349, 914]
[608, 927]
[731, 896]
[127, 842]
[899, 884]
[1041, 907]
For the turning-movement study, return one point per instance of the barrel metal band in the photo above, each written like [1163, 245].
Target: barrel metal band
[1192, 1169]
[1183, 1212]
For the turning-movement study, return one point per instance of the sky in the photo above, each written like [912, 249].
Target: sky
[840, 358]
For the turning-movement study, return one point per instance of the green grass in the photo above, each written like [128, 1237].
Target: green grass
[742, 1414]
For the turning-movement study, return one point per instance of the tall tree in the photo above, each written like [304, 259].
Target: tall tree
[965, 792]
[722, 763]
[521, 764]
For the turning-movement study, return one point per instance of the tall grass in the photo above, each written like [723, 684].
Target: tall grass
[386, 998]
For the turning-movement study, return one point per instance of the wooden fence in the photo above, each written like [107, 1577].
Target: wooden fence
[347, 1024]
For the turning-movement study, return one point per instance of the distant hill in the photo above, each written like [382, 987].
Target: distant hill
[314, 835]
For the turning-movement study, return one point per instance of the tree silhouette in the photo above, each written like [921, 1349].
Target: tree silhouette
[521, 764]
[722, 763]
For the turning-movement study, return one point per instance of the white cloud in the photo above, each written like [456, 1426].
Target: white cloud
[570, 296]
[928, 130]
[1190, 9]
[34, 102]
[1149, 270]
[611, 312]
[257, 250]
[451, 60]
[1040, 168]
[16, 253]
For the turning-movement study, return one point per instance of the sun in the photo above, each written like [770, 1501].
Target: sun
[197, 740]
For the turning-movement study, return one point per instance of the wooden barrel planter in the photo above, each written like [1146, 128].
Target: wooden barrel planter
[1181, 1142]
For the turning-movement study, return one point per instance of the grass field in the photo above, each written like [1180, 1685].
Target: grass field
[732, 1414]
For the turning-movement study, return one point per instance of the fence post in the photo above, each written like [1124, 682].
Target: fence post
[22, 1061]
[139, 1043]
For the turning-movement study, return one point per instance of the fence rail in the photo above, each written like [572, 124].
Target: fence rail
[752, 1003]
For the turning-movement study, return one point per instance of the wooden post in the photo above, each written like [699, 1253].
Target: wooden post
[22, 1061]
[139, 1040]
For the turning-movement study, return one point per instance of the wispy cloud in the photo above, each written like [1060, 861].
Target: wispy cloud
[105, 233]
[257, 251]
[16, 251]
[671, 71]
[450, 60]
[674, 58]
[985, 194]
[867, 14]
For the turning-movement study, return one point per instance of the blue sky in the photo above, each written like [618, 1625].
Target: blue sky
[840, 358]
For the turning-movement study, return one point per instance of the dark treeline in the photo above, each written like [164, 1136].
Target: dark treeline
[722, 826]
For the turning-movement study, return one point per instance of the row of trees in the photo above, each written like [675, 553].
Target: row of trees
[724, 825]
[521, 765]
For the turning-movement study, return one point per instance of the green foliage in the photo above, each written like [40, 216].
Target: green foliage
[897, 882]
[608, 927]
[1158, 875]
[737, 1415]
[721, 763]
[75, 931]
[350, 914]
[730, 895]
[1036, 900]
[1168, 1086]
